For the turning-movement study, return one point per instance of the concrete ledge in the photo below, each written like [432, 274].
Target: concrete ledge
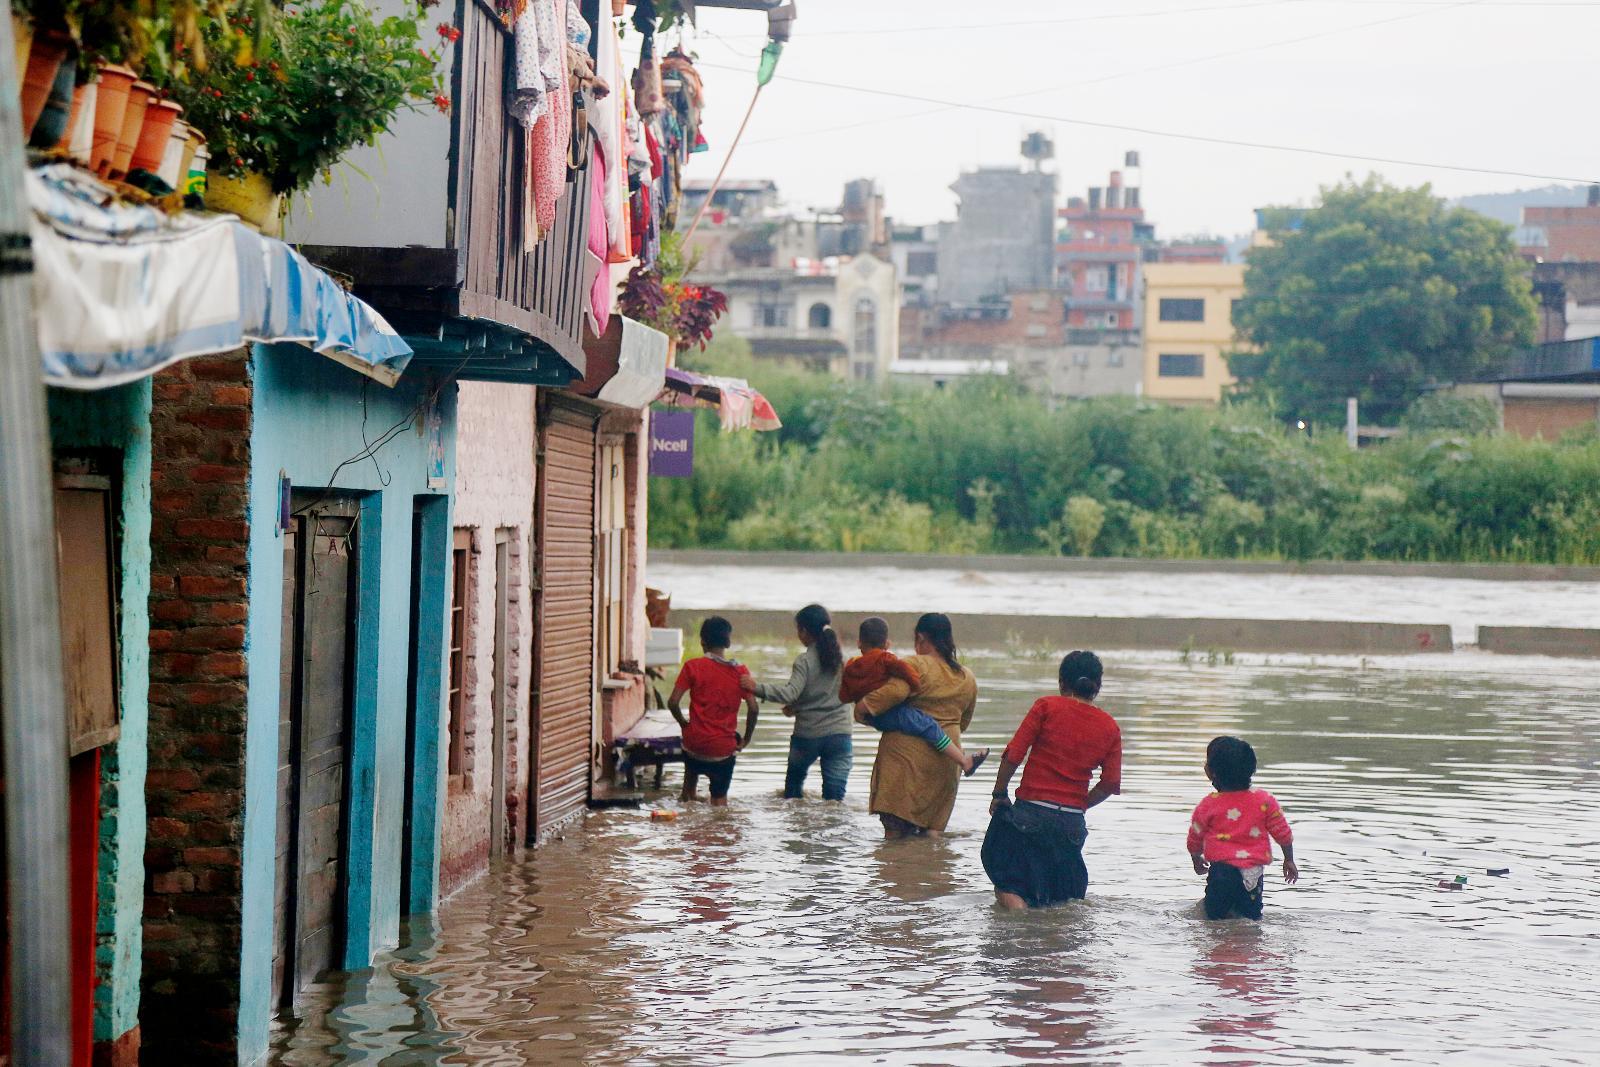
[1540, 641]
[1500, 572]
[1061, 633]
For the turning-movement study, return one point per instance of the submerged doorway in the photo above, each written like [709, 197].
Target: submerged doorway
[320, 568]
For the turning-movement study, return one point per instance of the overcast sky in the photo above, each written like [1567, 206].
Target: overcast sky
[1497, 84]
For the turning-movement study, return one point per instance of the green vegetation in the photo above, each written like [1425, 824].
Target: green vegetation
[987, 467]
[1376, 293]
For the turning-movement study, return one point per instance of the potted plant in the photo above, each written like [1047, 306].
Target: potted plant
[330, 77]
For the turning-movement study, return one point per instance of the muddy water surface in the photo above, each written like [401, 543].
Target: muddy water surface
[788, 932]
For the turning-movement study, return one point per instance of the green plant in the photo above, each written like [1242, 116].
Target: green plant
[1474, 416]
[331, 77]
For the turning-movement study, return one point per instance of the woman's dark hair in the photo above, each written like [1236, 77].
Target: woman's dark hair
[935, 626]
[1080, 675]
[814, 621]
[716, 632]
[1232, 763]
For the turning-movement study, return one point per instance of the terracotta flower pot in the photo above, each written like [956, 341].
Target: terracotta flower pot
[80, 131]
[110, 106]
[21, 39]
[56, 118]
[39, 80]
[248, 196]
[154, 135]
[140, 96]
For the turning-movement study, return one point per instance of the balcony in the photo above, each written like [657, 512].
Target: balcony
[439, 246]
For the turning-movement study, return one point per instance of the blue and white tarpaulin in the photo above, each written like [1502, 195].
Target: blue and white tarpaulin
[123, 290]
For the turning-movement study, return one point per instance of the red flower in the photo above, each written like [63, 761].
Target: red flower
[249, 75]
[449, 32]
[244, 116]
[442, 102]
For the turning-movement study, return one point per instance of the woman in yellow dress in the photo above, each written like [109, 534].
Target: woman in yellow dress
[913, 785]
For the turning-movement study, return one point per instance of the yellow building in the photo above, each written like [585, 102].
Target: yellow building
[1188, 327]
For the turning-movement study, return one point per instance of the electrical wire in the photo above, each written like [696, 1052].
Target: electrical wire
[1232, 53]
[1150, 131]
[1126, 15]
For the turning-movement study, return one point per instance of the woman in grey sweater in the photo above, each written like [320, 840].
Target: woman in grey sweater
[822, 723]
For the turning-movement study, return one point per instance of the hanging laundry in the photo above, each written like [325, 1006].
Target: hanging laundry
[528, 99]
[549, 139]
[600, 289]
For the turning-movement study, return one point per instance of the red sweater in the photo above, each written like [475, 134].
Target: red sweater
[871, 671]
[1234, 828]
[1063, 740]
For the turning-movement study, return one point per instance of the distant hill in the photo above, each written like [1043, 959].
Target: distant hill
[1507, 207]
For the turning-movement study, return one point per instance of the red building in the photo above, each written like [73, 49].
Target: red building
[1563, 234]
[1098, 250]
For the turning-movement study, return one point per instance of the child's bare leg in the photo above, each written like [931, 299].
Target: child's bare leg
[968, 764]
[719, 802]
[691, 784]
[1010, 901]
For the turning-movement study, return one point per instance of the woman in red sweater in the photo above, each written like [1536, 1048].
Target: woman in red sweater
[1033, 851]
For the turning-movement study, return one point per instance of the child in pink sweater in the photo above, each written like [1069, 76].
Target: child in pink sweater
[1232, 830]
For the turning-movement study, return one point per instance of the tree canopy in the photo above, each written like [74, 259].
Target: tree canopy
[1374, 293]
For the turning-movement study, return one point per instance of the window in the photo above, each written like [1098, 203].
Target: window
[820, 317]
[922, 263]
[460, 586]
[772, 315]
[1095, 279]
[87, 589]
[866, 333]
[1182, 310]
[1112, 322]
[1039, 303]
[1181, 366]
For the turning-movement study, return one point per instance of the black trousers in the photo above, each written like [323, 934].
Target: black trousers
[1226, 895]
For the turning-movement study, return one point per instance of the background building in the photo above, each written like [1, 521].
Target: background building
[1188, 329]
[1102, 242]
[1003, 236]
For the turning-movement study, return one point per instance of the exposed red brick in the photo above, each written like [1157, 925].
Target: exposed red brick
[172, 882]
[234, 555]
[222, 418]
[218, 370]
[221, 612]
[219, 472]
[236, 395]
[224, 665]
[173, 779]
[172, 611]
[209, 637]
[212, 529]
[226, 857]
[205, 585]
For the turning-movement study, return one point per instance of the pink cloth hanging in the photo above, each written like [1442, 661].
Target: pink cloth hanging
[547, 144]
[600, 291]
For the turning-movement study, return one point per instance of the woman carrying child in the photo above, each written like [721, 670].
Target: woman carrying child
[913, 783]
[1033, 851]
[811, 698]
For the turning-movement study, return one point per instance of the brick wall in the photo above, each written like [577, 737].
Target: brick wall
[200, 431]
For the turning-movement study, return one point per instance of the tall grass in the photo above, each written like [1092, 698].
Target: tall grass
[986, 467]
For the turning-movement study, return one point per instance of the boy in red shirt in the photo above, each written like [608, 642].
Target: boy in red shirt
[711, 738]
[1232, 830]
[872, 670]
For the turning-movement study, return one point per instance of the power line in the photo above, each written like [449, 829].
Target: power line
[1148, 131]
[1231, 53]
[1127, 15]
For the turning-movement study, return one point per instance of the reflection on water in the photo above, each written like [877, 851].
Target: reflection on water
[790, 931]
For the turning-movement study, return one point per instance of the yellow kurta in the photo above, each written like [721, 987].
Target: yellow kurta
[909, 778]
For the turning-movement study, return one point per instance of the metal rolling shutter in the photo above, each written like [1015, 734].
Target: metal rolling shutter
[564, 663]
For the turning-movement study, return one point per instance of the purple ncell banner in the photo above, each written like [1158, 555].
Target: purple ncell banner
[671, 444]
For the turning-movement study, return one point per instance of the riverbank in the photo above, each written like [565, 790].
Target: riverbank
[1500, 572]
[1359, 609]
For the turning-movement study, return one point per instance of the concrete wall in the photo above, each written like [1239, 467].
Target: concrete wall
[496, 471]
[120, 419]
[1502, 572]
[310, 416]
[1061, 633]
[1540, 641]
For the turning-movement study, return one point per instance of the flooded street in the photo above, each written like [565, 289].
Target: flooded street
[788, 932]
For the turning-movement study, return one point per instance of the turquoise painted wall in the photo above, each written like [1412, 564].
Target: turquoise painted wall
[311, 415]
[120, 419]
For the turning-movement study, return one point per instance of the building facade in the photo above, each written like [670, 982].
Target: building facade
[1098, 252]
[1003, 236]
[1188, 330]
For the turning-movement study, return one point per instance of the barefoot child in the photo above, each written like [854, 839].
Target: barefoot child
[1232, 830]
[710, 734]
[872, 670]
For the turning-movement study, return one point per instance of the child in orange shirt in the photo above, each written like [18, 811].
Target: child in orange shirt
[873, 669]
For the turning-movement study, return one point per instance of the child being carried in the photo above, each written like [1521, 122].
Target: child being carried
[873, 669]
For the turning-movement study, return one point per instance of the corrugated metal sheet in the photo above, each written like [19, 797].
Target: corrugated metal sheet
[565, 610]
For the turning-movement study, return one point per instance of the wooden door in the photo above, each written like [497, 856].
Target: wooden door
[322, 559]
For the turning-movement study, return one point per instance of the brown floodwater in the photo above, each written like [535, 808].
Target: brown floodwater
[789, 932]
